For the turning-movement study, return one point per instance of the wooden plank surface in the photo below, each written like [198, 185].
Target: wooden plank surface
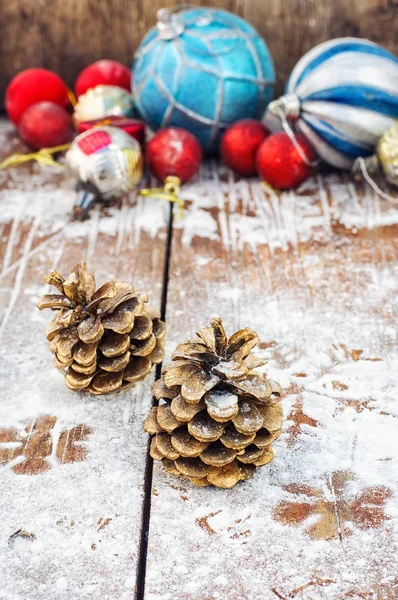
[71, 465]
[67, 36]
[315, 274]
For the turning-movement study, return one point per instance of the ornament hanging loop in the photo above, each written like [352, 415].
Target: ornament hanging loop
[170, 191]
[43, 156]
[360, 165]
[288, 107]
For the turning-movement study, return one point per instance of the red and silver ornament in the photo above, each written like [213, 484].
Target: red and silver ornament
[107, 162]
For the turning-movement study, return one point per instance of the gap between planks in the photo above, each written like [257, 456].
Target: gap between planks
[148, 477]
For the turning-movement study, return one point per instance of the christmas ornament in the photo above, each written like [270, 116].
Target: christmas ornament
[107, 163]
[45, 125]
[104, 340]
[173, 155]
[217, 417]
[202, 69]
[282, 163]
[31, 86]
[384, 161]
[103, 72]
[133, 127]
[239, 145]
[103, 101]
[342, 95]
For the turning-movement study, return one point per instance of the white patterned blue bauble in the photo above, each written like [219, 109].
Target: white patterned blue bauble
[342, 95]
[202, 69]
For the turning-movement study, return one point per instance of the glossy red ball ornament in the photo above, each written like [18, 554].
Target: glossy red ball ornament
[173, 152]
[279, 162]
[103, 72]
[239, 146]
[45, 125]
[31, 86]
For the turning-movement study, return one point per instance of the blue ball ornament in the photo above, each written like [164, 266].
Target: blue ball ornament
[202, 69]
[342, 95]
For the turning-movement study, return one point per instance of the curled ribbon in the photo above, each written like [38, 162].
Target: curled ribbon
[43, 156]
[170, 191]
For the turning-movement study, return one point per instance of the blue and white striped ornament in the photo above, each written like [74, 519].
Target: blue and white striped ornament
[342, 95]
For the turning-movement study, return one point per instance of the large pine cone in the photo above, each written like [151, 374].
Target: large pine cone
[216, 417]
[104, 340]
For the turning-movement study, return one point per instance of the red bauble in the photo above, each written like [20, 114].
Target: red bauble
[45, 125]
[279, 163]
[31, 86]
[240, 143]
[173, 151]
[103, 72]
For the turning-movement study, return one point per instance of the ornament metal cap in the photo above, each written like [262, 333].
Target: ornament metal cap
[169, 24]
[170, 191]
[288, 104]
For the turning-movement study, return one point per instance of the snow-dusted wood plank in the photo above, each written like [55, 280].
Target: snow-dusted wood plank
[71, 465]
[315, 273]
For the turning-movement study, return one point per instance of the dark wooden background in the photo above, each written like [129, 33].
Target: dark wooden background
[66, 35]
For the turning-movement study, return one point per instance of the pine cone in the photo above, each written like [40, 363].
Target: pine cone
[217, 417]
[104, 340]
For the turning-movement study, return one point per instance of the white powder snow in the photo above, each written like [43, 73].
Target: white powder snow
[313, 273]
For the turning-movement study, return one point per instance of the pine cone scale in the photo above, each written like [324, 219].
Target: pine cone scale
[184, 411]
[217, 455]
[120, 322]
[137, 369]
[90, 330]
[84, 354]
[104, 383]
[54, 301]
[197, 385]
[86, 369]
[186, 445]
[143, 347]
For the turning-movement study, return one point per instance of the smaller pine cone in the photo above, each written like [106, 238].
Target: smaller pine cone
[104, 340]
[217, 416]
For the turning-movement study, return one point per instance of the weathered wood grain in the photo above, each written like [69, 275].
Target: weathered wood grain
[71, 465]
[314, 272]
[66, 36]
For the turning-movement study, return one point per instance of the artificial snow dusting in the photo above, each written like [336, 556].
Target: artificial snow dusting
[315, 273]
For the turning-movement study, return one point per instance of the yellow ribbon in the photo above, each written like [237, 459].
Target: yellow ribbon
[43, 156]
[170, 191]
[72, 98]
[103, 123]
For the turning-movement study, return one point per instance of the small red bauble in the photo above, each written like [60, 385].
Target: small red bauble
[103, 72]
[173, 151]
[31, 86]
[45, 125]
[279, 163]
[239, 146]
